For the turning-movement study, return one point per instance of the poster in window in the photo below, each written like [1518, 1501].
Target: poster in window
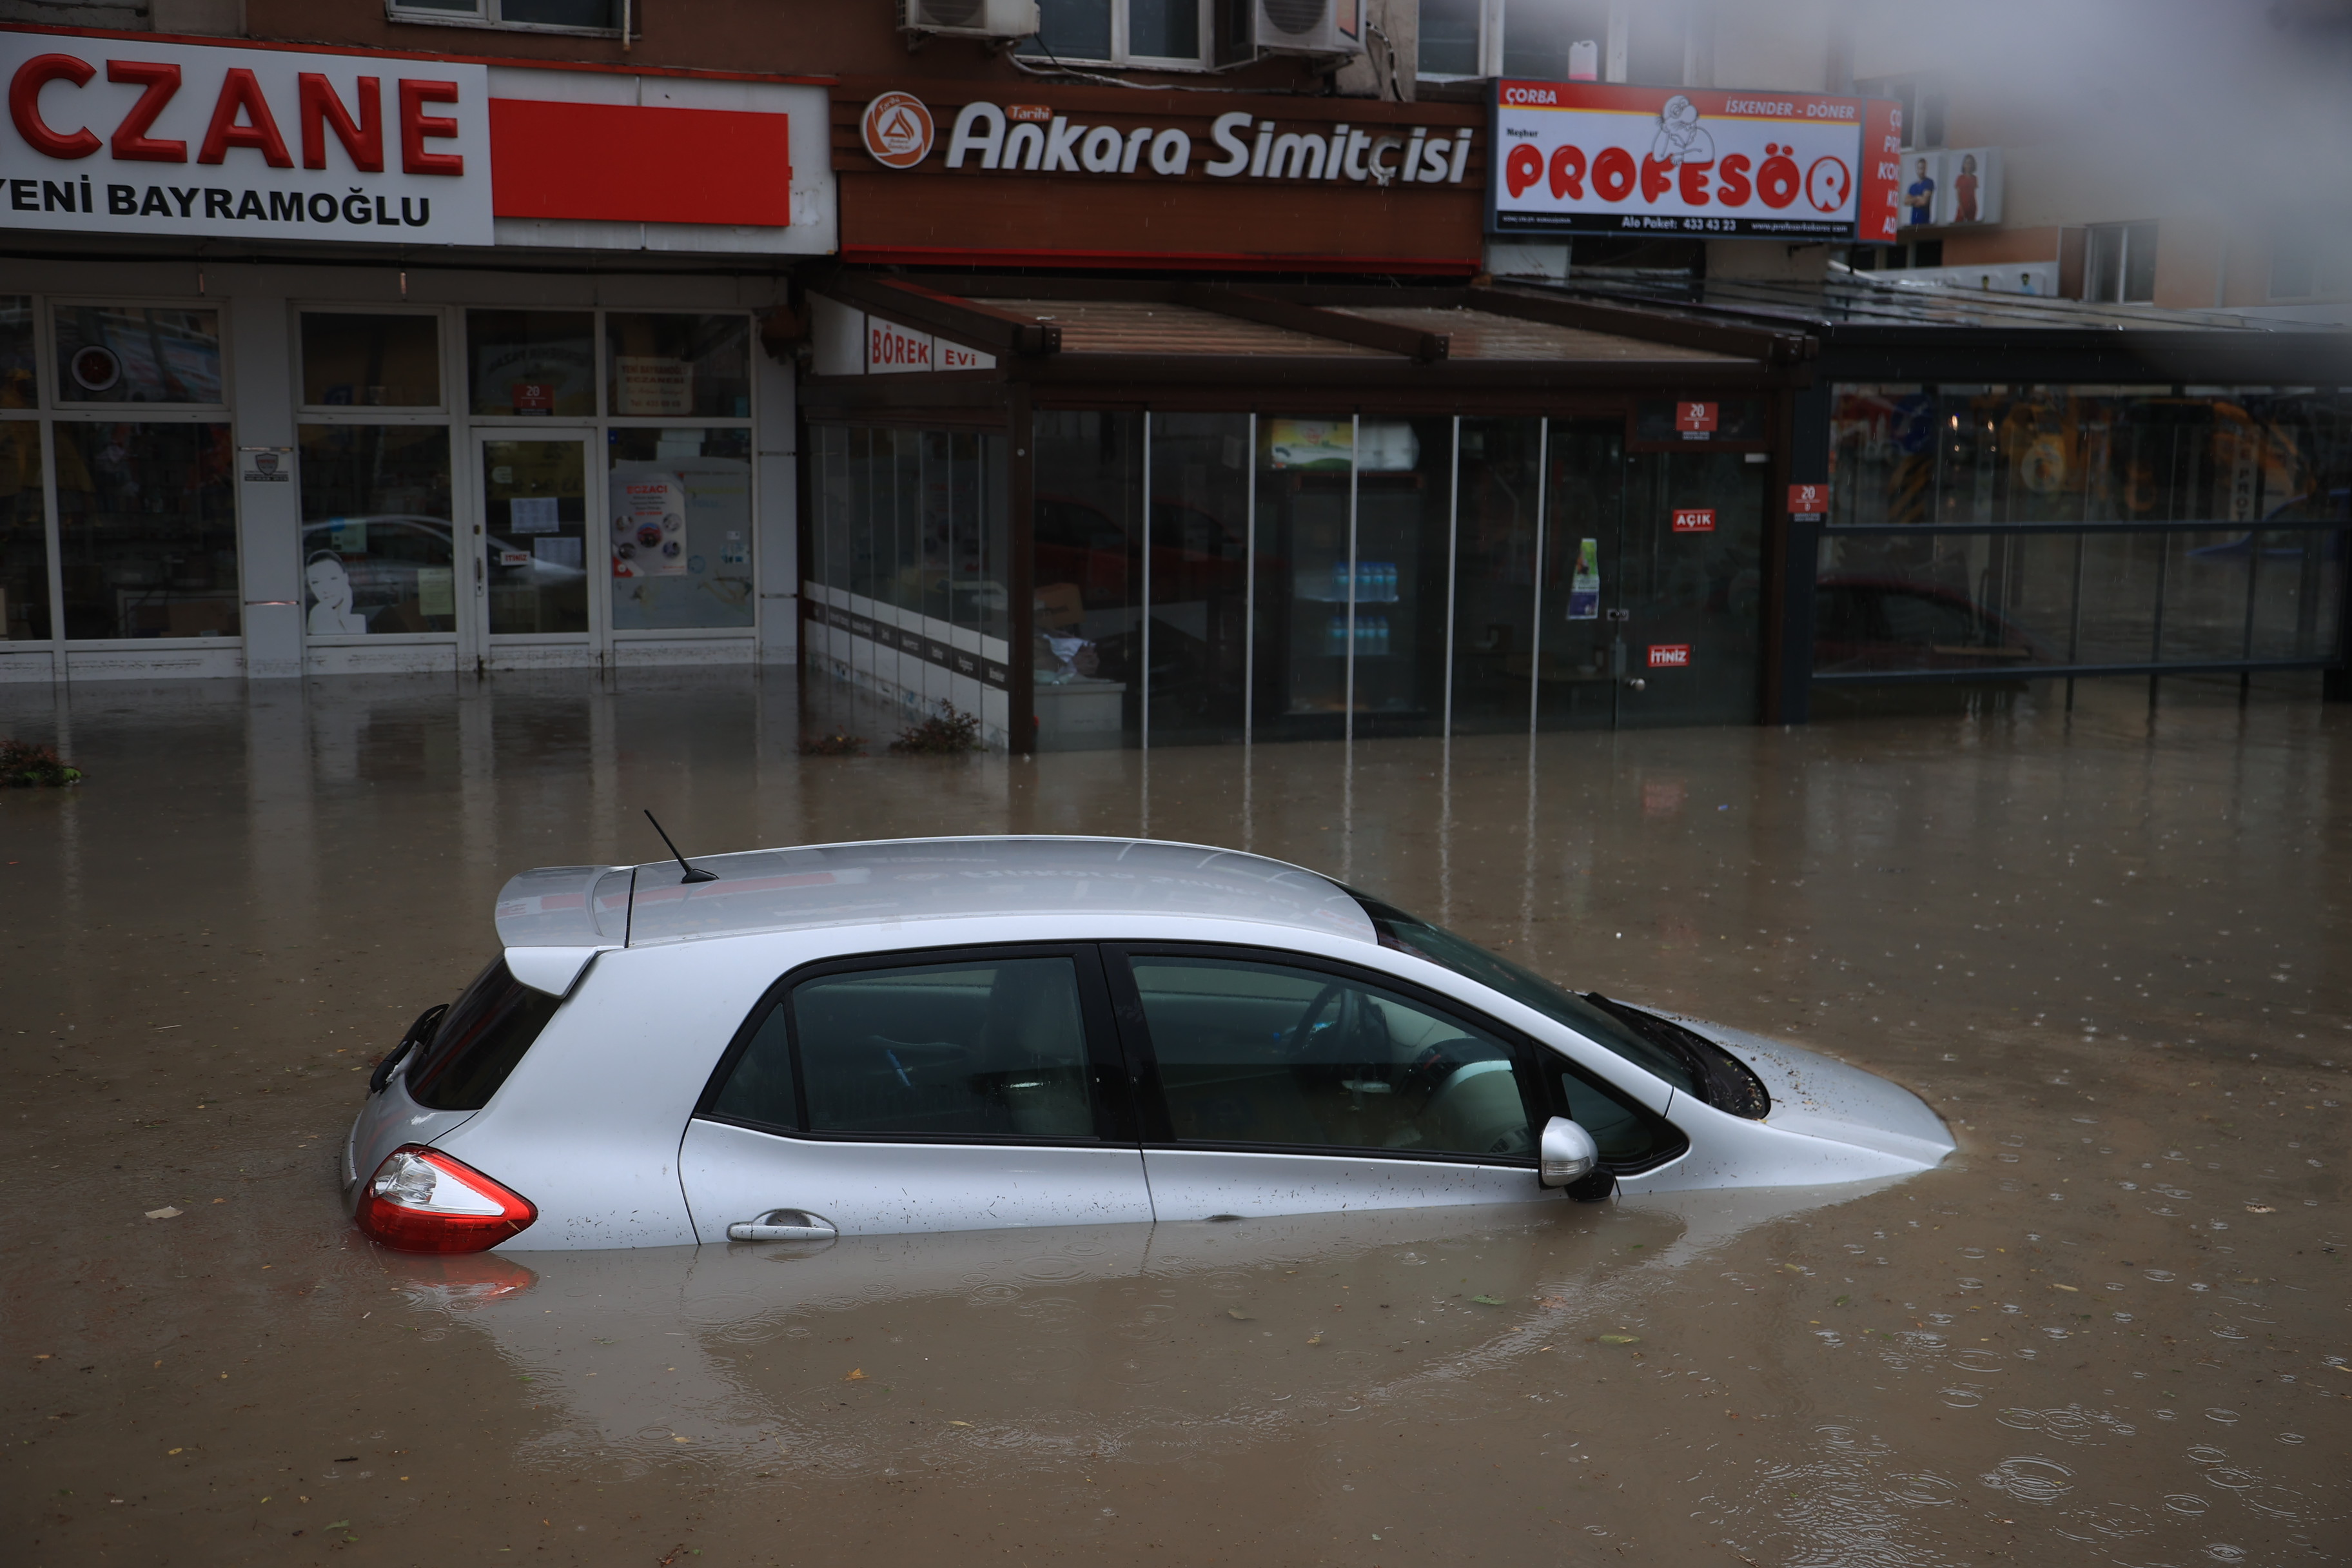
[1585, 586]
[649, 525]
[650, 385]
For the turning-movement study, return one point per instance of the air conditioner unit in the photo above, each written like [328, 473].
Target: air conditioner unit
[1325, 27]
[970, 19]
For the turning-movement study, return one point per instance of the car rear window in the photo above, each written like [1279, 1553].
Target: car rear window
[481, 1038]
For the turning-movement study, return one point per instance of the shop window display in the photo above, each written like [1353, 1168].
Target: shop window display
[24, 535]
[137, 353]
[680, 511]
[2106, 456]
[147, 530]
[19, 380]
[1198, 581]
[677, 366]
[535, 536]
[378, 546]
[532, 363]
[370, 361]
[1493, 574]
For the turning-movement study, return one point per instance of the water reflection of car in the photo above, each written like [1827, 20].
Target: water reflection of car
[986, 1033]
[1865, 621]
[385, 555]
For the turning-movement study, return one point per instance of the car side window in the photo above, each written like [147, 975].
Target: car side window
[973, 1049]
[1629, 1137]
[1265, 1053]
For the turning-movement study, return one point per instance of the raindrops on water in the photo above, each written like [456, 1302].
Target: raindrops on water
[2227, 1417]
[2186, 1503]
[2027, 1479]
[1923, 1489]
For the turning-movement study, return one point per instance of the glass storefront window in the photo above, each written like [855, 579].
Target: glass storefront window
[19, 381]
[370, 361]
[378, 546]
[680, 507]
[531, 363]
[147, 530]
[1304, 463]
[1586, 558]
[2246, 461]
[24, 535]
[1087, 561]
[1199, 583]
[1494, 574]
[535, 535]
[138, 354]
[677, 366]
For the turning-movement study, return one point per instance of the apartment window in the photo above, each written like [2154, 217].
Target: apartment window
[1122, 32]
[2312, 260]
[1922, 106]
[525, 16]
[2119, 267]
[1549, 40]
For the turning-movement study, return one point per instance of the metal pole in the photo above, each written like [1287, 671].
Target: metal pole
[1143, 713]
[1354, 466]
[1452, 567]
[2074, 620]
[2156, 635]
[1249, 597]
[1535, 637]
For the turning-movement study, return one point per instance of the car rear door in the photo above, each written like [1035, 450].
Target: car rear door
[1271, 1083]
[942, 1090]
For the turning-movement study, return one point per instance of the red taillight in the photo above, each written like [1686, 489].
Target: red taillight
[421, 1200]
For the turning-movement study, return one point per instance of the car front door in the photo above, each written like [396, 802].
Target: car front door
[1272, 1084]
[954, 1089]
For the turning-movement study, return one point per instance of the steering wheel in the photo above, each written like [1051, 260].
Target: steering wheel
[1349, 1000]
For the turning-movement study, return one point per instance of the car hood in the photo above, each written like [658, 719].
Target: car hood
[1825, 1097]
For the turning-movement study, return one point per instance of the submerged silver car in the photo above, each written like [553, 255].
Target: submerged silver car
[962, 1034]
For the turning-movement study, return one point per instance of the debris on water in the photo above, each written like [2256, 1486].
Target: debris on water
[1487, 1300]
[165, 1213]
[1238, 1316]
[1840, 1301]
[1620, 1339]
[1315, 1339]
[2260, 1208]
[857, 1374]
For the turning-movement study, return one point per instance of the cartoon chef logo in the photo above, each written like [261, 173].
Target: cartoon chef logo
[1681, 139]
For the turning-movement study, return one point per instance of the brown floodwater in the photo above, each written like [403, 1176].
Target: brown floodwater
[2116, 1327]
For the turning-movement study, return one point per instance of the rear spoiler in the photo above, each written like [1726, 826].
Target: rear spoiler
[553, 921]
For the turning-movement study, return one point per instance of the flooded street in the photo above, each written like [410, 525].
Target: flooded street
[2116, 1327]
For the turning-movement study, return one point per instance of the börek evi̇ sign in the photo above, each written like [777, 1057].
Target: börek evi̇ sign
[1035, 138]
[118, 136]
[1584, 158]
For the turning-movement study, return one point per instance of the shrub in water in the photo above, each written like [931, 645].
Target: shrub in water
[23, 765]
[948, 732]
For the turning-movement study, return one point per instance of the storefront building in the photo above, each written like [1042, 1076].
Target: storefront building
[349, 362]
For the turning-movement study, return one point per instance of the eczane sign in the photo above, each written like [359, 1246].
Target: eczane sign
[1584, 158]
[118, 136]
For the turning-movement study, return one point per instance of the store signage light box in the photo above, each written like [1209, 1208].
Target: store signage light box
[1584, 158]
[118, 136]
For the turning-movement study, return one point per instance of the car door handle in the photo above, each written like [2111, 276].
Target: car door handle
[783, 1225]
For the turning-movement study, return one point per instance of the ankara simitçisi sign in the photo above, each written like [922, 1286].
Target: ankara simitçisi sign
[1588, 158]
[118, 136]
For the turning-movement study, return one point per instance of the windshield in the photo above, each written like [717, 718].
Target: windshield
[1400, 929]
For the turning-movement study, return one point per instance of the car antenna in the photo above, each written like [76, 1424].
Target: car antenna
[693, 873]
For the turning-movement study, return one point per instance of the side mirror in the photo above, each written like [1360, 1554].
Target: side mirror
[1568, 1154]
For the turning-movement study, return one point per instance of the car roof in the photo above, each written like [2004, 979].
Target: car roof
[896, 880]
